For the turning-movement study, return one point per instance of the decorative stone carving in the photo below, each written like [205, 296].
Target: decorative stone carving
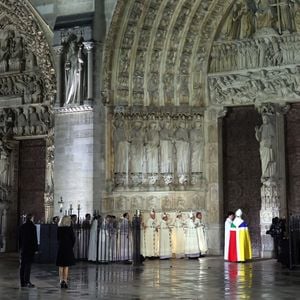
[5, 167]
[265, 134]
[255, 86]
[159, 147]
[74, 72]
[182, 146]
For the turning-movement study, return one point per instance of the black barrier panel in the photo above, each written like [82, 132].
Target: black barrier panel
[48, 243]
[105, 241]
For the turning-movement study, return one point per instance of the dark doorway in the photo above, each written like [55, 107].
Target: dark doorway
[32, 178]
[241, 168]
[293, 159]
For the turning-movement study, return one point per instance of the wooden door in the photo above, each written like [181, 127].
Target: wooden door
[293, 159]
[32, 178]
[241, 168]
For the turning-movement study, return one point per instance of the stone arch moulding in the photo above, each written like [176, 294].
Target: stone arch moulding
[157, 52]
[27, 81]
[254, 61]
[36, 34]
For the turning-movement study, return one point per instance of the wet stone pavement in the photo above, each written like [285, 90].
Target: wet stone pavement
[207, 278]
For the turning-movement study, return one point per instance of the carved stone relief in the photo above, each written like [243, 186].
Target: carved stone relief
[171, 201]
[255, 86]
[158, 150]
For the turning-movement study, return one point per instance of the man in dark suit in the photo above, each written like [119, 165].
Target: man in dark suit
[28, 247]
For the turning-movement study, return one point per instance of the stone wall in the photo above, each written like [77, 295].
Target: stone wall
[73, 166]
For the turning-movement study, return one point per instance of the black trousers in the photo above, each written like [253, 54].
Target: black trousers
[25, 269]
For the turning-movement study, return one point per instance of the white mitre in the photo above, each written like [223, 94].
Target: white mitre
[238, 213]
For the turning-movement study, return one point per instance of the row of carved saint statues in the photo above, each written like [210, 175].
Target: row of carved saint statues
[25, 120]
[158, 146]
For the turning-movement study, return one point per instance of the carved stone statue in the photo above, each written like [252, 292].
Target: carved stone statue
[152, 147]
[197, 147]
[21, 126]
[182, 145]
[121, 147]
[265, 134]
[166, 148]
[4, 165]
[73, 73]
[34, 121]
[137, 147]
[285, 16]
[264, 15]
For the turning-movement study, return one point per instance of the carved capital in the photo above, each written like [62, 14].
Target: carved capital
[88, 46]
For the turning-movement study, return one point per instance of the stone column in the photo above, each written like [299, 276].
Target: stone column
[213, 169]
[271, 180]
[90, 70]
[49, 184]
[59, 76]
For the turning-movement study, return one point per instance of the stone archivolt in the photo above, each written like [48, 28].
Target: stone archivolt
[167, 63]
[27, 83]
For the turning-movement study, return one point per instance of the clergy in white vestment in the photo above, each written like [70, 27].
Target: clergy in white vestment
[92, 253]
[178, 237]
[201, 233]
[113, 230]
[151, 240]
[103, 250]
[165, 247]
[191, 238]
[228, 222]
[125, 245]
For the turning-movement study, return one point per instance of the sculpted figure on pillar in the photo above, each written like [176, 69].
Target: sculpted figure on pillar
[152, 147]
[182, 145]
[166, 147]
[264, 15]
[197, 146]
[74, 72]
[265, 134]
[4, 165]
[137, 147]
[121, 147]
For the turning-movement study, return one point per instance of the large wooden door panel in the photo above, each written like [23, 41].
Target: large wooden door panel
[32, 178]
[241, 168]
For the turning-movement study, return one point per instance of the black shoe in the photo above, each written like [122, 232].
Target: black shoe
[28, 284]
[63, 285]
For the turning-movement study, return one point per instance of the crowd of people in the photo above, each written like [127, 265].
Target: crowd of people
[160, 235]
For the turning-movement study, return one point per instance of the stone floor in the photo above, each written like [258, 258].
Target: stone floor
[207, 278]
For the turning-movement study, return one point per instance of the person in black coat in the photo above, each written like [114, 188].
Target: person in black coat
[65, 254]
[28, 246]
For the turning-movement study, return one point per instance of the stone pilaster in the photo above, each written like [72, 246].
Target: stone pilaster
[59, 75]
[90, 69]
[214, 199]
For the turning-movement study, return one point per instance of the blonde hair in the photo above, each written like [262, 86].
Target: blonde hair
[65, 221]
